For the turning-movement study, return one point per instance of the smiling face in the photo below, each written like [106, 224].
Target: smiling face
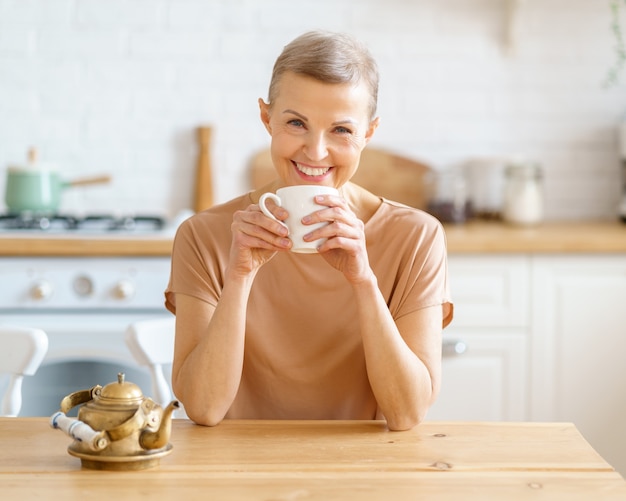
[318, 129]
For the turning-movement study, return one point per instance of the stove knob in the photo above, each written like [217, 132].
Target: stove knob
[123, 289]
[41, 290]
[83, 286]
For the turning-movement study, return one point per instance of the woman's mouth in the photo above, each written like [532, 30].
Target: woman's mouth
[311, 171]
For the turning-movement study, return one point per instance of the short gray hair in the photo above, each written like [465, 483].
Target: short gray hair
[328, 57]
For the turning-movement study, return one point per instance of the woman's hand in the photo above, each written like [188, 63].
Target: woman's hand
[256, 238]
[345, 248]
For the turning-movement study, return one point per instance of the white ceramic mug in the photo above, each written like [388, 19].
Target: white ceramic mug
[299, 202]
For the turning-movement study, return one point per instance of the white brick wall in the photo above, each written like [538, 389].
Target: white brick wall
[119, 86]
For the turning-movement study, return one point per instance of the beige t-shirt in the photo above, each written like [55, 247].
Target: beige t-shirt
[303, 353]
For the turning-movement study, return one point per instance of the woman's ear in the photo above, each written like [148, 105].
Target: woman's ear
[371, 129]
[264, 108]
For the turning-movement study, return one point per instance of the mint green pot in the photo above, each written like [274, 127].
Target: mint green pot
[40, 190]
[30, 190]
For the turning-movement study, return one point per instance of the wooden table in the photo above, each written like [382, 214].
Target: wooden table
[321, 460]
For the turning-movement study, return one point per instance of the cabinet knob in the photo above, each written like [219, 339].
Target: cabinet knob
[453, 347]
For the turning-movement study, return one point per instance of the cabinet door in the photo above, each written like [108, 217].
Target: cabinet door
[579, 345]
[486, 381]
[490, 290]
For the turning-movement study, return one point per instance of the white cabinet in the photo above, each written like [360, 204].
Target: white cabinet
[579, 347]
[488, 380]
[545, 339]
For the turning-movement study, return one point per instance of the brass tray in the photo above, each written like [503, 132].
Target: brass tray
[121, 463]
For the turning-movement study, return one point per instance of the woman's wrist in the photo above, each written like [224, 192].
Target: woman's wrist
[236, 278]
[368, 283]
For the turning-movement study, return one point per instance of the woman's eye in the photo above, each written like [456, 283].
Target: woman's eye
[296, 122]
[343, 130]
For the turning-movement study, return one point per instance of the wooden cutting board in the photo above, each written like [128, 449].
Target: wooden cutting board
[382, 172]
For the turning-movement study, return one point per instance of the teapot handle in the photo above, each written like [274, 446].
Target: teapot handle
[95, 440]
[79, 397]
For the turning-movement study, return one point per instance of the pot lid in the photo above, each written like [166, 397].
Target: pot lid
[121, 391]
[33, 164]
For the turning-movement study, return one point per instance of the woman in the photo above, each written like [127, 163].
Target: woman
[352, 332]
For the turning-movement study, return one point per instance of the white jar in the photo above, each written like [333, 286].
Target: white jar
[523, 194]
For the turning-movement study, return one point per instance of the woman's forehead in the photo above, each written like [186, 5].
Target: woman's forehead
[301, 90]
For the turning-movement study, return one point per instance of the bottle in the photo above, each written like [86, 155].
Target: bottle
[449, 202]
[523, 194]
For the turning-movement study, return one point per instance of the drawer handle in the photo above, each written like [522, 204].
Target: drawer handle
[453, 348]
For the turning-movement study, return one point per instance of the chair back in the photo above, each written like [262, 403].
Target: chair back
[22, 349]
[151, 343]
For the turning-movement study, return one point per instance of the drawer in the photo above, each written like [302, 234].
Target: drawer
[490, 291]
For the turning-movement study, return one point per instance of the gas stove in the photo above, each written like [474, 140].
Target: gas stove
[91, 226]
[93, 223]
[84, 303]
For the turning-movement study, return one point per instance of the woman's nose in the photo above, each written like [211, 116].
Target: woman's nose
[315, 147]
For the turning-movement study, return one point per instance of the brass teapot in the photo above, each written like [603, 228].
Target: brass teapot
[117, 427]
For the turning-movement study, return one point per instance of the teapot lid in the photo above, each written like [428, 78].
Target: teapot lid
[121, 391]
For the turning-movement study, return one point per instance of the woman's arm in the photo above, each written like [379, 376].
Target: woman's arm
[209, 347]
[403, 358]
[208, 354]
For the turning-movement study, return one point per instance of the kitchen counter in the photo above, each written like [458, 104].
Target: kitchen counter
[322, 460]
[550, 237]
[472, 237]
[75, 245]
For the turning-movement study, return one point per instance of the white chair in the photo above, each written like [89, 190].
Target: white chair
[151, 343]
[22, 349]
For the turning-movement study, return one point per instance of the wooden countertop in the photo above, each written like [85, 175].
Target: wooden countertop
[472, 237]
[550, 237]
[63, 245]
[322, 460]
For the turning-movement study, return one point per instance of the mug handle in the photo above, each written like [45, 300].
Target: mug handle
[264, 209]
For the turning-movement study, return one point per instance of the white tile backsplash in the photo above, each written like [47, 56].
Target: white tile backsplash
[120, 87]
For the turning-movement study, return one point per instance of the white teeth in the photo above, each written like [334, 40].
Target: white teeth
[312, 171]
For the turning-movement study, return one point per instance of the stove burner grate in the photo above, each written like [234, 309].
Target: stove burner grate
[123, 223]
[90, 223]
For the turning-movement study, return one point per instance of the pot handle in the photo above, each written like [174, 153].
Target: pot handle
[95, 440]
[104, 179]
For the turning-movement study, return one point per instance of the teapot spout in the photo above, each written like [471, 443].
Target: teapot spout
[159, 438]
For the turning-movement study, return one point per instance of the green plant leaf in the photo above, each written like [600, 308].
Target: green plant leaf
[612, 76]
